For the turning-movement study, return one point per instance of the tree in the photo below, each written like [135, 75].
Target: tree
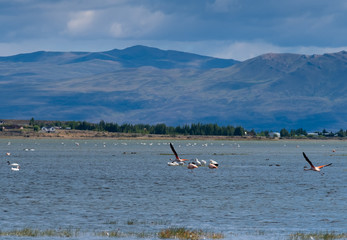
[341, 133]
[284, 133]
[239, 131]
[32, 122]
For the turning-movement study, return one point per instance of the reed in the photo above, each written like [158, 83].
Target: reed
[183, 233]
[318, 236]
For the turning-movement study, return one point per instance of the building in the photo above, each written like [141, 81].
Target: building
[274, 134]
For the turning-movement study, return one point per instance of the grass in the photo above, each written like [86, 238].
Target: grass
[318, 236]
[183, 233]
[29, 232]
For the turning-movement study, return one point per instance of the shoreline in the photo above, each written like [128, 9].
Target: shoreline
[85, 134]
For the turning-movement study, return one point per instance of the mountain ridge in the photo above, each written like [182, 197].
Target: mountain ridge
[148, 85]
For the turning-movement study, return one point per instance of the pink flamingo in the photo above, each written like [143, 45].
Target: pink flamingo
[313, 168]
[176, 155]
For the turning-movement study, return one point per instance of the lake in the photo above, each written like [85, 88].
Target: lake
[259, 191]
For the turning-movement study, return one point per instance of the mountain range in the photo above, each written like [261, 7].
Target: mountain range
[148, 85]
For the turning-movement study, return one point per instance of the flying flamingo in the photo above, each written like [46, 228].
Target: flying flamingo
[313, 168]
[176, 155]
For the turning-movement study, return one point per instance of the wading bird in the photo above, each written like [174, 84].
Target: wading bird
[192, 165]
[176, 155]
[313, 168]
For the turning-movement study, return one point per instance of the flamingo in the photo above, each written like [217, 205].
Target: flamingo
[313, 168]
[212, 166]
[15, 166]
[176, 155]
[213, 162]
[192, 165]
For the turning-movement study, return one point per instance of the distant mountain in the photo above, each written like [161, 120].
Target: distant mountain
[132, 57]
[148, 85]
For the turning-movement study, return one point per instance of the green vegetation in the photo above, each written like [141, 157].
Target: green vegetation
[183, 233]
[167, 233]
[318, 236]
[28, 232]
[187, 129]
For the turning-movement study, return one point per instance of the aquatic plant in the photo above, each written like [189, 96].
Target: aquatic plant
[318, 236]
[115, 233]
[29, 232]
[183, 233]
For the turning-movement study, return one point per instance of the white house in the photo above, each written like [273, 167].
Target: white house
[274, 134]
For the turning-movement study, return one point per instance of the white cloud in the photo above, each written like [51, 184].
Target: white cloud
[80, 21]
[135, 22]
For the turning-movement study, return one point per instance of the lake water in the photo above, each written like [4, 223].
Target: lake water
[127, 186]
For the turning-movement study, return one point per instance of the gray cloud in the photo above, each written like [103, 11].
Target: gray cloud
[213, 27]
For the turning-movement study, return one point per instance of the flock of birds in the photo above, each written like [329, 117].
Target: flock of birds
[214, 165]
[193, 164]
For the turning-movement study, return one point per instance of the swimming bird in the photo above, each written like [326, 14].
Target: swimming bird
[313, 168]
[173, 163]
[15, 166]
[176, 155]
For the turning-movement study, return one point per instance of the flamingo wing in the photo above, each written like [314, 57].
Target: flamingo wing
[174, 151]
[308, 160]
[324, 165]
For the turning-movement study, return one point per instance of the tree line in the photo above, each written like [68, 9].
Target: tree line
[187, 129]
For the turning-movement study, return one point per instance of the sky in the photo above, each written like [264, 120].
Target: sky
[233, 29]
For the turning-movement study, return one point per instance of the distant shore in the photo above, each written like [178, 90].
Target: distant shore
[85, 134]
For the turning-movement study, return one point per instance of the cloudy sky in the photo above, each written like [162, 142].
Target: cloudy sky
[237, 29]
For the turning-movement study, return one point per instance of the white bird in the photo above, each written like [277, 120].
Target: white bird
[203, 162]
[197, 162]
[173, 163]
[15, 166]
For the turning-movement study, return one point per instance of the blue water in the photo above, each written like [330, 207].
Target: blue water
[126, 185]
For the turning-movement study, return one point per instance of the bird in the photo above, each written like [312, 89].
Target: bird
[198, 163]
[192, 165]
[212, 166]
[176, 155]
[15, 166]
[313, 168]
[213, 162]
[173, 163]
